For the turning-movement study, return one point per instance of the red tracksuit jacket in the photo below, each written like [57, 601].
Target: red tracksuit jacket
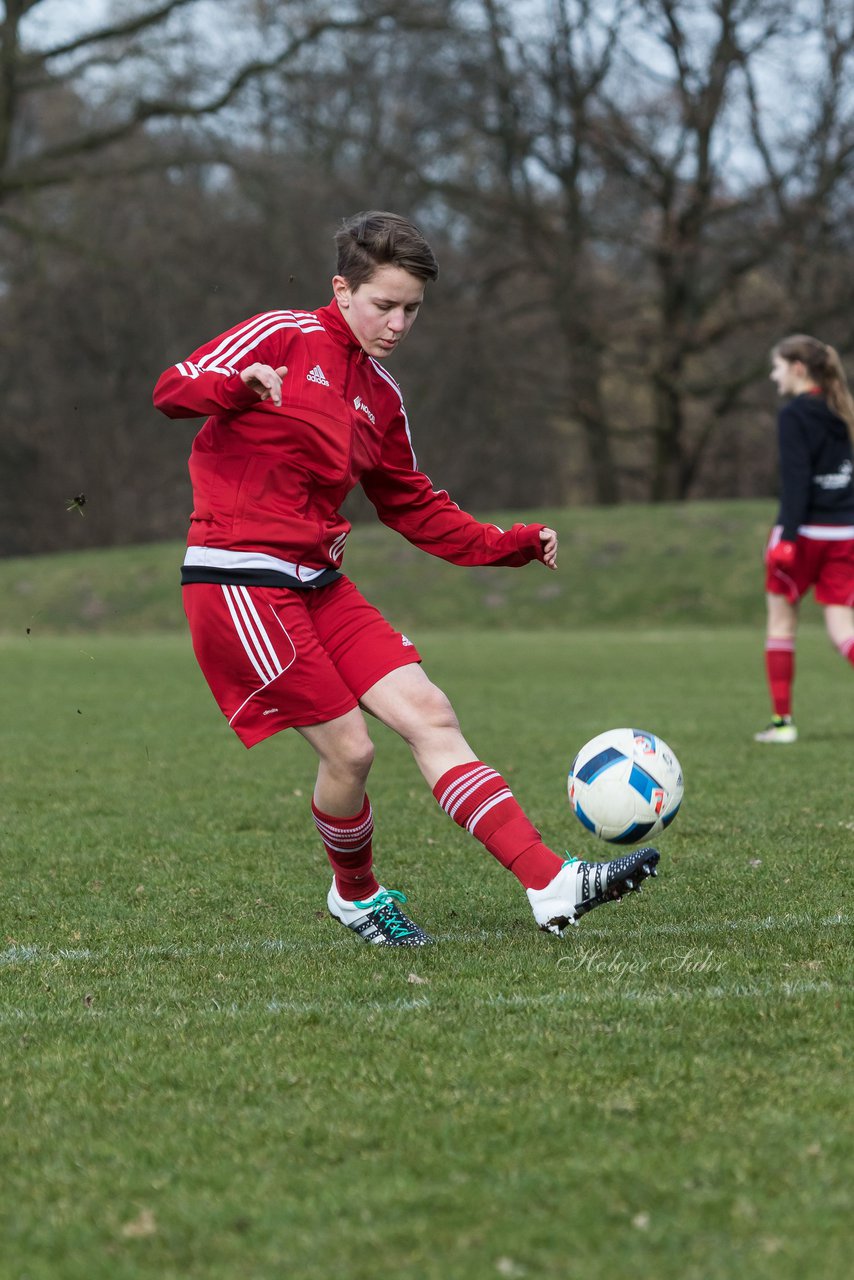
[268, 481]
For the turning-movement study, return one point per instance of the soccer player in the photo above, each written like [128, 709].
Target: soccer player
[300, 410]
[812, 543]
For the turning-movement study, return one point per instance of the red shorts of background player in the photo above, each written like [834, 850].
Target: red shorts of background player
[826, 564]
[275, 658]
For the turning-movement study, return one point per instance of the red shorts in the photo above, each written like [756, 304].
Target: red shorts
[275, 658]
[826, 564]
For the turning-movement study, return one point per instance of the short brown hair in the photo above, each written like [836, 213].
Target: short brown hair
[377, 239]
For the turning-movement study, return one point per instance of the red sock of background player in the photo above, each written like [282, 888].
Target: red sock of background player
[479, 800]
[348, 845]
[780, 669]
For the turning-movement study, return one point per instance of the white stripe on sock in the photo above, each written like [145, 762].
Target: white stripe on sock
[467, 785]
[484, 809]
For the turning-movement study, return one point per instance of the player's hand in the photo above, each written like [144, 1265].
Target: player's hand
[548, 538]
[781, 555]
[264, 381]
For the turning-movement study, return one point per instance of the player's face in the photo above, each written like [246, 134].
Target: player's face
[787, 375]
[382, 310]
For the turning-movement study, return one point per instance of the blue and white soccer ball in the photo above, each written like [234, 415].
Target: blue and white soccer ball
[625, 785]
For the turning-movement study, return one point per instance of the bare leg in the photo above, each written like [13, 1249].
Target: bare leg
[346, 754]
[473, 794]
[839, 620]
[409, 703]
[341, 810]
[782, 621]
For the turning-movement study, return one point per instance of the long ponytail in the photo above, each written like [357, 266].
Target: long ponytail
[838, 393]
[823, 365]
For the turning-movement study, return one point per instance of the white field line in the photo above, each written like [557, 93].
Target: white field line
[566, 997]
[23, 953]
[766, 924]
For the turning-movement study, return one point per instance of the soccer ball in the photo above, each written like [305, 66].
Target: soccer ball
[625, 785]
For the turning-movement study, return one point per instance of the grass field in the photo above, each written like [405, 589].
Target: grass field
[206, 1077]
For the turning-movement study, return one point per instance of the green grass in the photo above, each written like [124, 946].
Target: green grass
[698, 563]
[205, 1076]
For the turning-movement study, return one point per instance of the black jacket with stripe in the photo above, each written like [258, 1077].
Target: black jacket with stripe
[816, 466]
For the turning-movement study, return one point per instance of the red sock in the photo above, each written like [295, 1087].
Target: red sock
[847, 650]
[347, 842]
[780, 669]
[479, 800]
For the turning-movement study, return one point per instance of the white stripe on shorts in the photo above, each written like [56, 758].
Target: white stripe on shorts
[244, 619]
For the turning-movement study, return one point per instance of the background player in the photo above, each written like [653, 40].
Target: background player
[300, 411]
[812, 543]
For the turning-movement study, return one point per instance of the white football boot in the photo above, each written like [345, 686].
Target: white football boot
[379, 920]
[580, 886]
[780, 731]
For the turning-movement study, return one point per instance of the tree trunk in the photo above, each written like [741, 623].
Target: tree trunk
[667, 464]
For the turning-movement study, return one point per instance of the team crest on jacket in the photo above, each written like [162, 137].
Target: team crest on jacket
[360, 404]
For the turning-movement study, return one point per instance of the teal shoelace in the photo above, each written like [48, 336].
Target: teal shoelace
[385, 907]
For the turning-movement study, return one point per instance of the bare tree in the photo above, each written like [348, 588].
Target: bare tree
[542, 90]
[625, 220]
[149, 64]
[716, 194]
[133, 230]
